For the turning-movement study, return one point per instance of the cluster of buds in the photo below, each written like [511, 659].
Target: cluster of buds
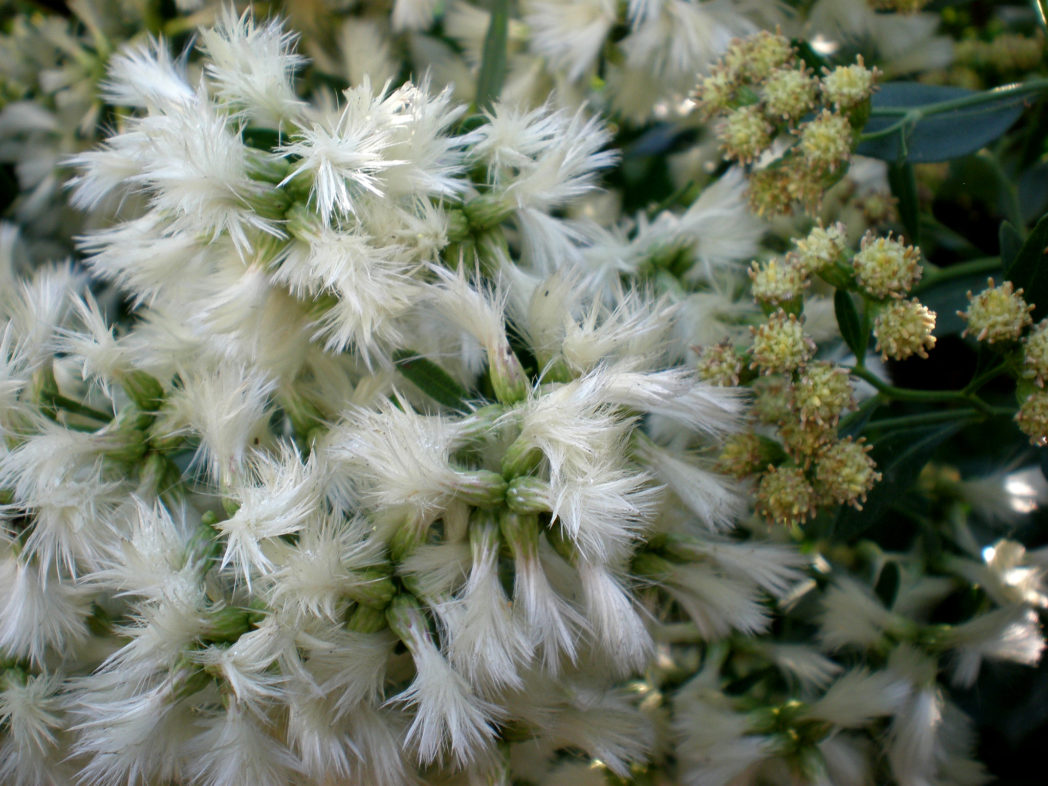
[900, 6]
[1004, 54]
[794, 130]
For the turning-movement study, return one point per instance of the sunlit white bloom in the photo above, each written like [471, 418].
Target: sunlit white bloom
[346, 667]
[852, 616]
[552, 624]
[914, 733]
[344, 154]
[145, 77]
[37, 308]
[716, 603]
[859, 696]
[32, 716]
[486, 645]
[713, 742]
[252, 66]
[605, 724]
[449, 717]
[570, 35]
[275, 497]
[413, 14]
[233, 748]
[1011, 633]
[617, 626]
[322, 571]
[806, 664]
[38, 616]
[437, 570]
[635, 331]
[774, 568]
[227, 409]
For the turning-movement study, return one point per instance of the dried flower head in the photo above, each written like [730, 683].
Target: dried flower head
[742, 454]
[904, 328]
[996, 313]
[886, 267]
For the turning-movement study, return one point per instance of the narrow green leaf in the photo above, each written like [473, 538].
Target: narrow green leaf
[887, 586]
[940, 136]
[1029, 269]
[431, 379]
[904, 189]
[1011, 243]
[493, 58]
[850, 324]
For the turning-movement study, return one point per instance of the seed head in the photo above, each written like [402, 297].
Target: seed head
[745, 134]
[788, 93]
[822, 247]
[821, 393]
[742, 455]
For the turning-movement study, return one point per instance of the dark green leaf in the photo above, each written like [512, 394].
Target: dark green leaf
[1029, 269]
[887, 586]
[431, 379]
[261, 138]
[850, 324]
[904, 188]
[1011, 244]
[900, 456]
[937, 137]
[493, 58]
[1033, 191]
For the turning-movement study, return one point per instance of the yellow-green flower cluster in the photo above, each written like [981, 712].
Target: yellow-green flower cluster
[998, 313]
[766, 101]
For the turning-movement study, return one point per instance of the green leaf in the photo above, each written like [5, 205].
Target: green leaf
[1029, 269]
[904, 188]
[850, 324]
[431, 379]
[493, 58]
[900, 456]
[1011, 243]
[936, 136]
[887, 586]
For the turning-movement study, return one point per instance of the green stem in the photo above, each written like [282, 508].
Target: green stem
[76, 408]
[908, 394]
[938, 416]
[980, 380]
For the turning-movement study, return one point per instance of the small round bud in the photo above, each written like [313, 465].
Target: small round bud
[886, 267]
[821, 248]
[785, 496]
[996, 313]
[780, 345]
[773, 400]
[846, 473]
[803, 440]
[1035, 354]
[805, 184]
[1032, 418]
[904, 328]
[826, 141]
[755, 57]
[777, 282]
[821, 393]
[769, 193]
[716, 92]
[745, 134]
[788, 93]
[849, 86]
[742, 454]
[719, 364]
